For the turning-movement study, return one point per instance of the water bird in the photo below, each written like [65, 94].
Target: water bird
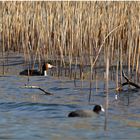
[45, 68]
[32, 72]
[87, 113]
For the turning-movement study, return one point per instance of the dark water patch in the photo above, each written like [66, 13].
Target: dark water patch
[5, 76]
[43, 78]
[12, 57]
[14, 63]
[129, 97]
[8, 138]
[130, 90]
[9, 106]
[58, 88]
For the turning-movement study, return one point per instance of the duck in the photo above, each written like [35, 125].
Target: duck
[87, 113]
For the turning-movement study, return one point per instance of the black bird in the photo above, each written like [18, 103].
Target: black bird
[87, 113]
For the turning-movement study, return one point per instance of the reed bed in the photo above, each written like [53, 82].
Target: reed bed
[73, 34]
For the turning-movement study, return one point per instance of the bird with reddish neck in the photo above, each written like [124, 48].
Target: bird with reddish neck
[46, 67]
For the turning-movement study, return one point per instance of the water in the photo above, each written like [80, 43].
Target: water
[29, 114]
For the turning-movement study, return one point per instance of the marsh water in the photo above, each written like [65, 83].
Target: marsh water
[29, 114]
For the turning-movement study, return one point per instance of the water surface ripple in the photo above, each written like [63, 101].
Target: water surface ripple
[28, 114]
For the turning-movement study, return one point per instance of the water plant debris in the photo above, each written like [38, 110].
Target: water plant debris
[36, 87]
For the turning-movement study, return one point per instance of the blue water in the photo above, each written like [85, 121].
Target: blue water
[29, 114]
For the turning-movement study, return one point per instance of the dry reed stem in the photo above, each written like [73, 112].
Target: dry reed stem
[69, 30]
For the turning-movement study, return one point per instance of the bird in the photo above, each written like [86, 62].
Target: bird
[32, 72]
[45, 68]
[87, 113]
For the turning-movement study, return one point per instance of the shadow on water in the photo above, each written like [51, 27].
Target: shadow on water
[29, 106]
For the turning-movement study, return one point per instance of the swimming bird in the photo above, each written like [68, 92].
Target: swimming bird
[45, 68]
[87, 113]
[32, 72]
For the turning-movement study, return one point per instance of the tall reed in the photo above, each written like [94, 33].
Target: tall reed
[66, 31]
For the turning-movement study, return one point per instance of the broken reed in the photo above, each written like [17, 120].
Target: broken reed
[72, 32]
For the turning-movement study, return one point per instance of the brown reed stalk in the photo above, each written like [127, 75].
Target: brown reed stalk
[137, 65]
[75, 72]
[121, 63]
[107, 87]
[117, 71]
[3, 43]
[103, 44]
[67, 29]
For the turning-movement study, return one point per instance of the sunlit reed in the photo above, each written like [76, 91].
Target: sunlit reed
[65, 31]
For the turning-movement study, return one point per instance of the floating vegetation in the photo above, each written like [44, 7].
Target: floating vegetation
[37, 87]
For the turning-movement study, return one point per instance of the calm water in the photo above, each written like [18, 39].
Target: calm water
[28, 114]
